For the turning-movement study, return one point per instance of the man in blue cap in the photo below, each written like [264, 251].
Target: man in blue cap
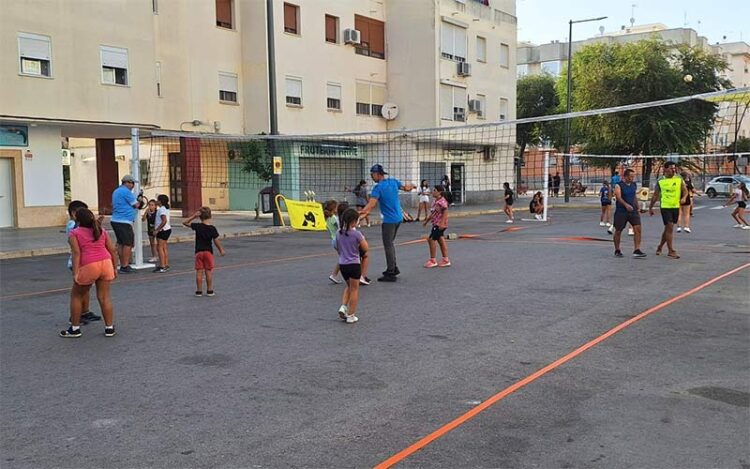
[386, 192]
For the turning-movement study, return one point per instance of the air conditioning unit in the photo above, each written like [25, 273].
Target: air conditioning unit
[352, 36]
[475, 105]
[488, 153]
[464, 69]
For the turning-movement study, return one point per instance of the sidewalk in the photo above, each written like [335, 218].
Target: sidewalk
[30, 242]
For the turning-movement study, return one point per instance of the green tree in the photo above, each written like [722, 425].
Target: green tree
[535, 97]
[254, 158]
[607, 75]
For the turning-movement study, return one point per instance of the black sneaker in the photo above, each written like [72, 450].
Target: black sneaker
[70, 333]
[166, 268]
[88, 316]
[159, 270]
[127, 270]
[639, 254]
[387, 278]
[618, 253]
[109, 331]
[210, 293]
[198, 293]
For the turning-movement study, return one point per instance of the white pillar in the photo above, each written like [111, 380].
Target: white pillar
[135, 171]
[546, 184]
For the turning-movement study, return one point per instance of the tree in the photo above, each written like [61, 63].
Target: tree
[607, 75]
[535, 97]
[254, 157]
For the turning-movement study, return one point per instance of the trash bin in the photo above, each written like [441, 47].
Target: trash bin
[266, 200]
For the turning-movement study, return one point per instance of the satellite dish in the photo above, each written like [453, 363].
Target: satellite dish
[389, 111]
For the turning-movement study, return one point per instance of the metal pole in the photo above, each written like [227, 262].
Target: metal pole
[566, 159]
[546, 184]
[273, 111]
[135, 171]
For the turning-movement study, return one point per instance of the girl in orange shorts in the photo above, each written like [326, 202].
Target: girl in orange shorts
[93, 263]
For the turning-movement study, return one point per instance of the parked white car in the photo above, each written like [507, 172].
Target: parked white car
[725, 185]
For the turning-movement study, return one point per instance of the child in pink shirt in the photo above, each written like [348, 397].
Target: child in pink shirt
[439, 218]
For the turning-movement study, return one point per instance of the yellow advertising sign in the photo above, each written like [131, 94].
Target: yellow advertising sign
[306, 216]
[276, 165]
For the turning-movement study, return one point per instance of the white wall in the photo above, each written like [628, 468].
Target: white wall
[42, 174]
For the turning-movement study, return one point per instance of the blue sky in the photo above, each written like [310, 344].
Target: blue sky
[542, 21]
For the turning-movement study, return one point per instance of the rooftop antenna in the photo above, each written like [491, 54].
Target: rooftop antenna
[632, 14]
[685, 23]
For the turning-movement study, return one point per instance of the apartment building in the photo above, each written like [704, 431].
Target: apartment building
[78, 75]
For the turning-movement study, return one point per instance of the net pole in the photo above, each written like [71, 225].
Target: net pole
[546, 184]
[135, 171]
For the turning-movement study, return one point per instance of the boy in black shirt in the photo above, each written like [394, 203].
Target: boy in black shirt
[206, 236]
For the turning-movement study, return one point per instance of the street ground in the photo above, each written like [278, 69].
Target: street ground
[266, 375]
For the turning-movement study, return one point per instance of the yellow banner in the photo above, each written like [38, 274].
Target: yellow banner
[305, 215]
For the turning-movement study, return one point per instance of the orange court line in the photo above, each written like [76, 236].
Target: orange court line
[445, 429]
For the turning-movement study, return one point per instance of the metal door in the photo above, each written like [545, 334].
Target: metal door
[175, 180]
[6, 192]
[457, 183]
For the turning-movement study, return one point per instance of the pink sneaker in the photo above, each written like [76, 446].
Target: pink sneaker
[430, 264]
[445, 262]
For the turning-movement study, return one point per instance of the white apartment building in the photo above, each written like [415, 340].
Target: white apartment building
[79, 74]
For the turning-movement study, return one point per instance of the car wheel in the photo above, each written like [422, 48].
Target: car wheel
[711, 192]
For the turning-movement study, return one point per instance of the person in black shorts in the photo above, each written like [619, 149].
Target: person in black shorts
[508, 198]
[686, 206]
[626, 211]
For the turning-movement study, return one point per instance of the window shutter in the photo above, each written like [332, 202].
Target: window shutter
[460, 98]
[290, 17]
[363, 26]
[294, 87]
[228, 82]
[114, 57]
[377, 37]
[363, 93]
[224, 12]
[504, 55]
[446, 102]
[33, 46]
[459, 39]
[330, 28]
[333, 91]
[446, 38]
[481, 48]
[377, 94]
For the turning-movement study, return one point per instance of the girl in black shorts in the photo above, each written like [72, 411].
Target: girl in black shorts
[162, 232]
[686, 207]
[741, 194]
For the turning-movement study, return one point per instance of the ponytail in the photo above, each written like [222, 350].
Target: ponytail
[86, 219]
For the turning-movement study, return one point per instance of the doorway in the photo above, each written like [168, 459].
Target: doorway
[175, 180]
[457, 183]
[6, 193]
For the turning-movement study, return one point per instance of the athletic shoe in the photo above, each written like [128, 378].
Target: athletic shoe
[631, 232]
[127, 270]
[387, 278]
[737, 226]
[166, 268]
[109, 331]
[159, 270]
[334, 279]
[210, 293]
[618, 253]
[198, 293]
[343, 312]
[88, 316]
[351, 319]
[673, 255]
[364, 281]
[444, 262]
[601, 223]
[153, 259]
[70, 333]
[746, 227]
[611, 230]
[608, 224]
[679, 229]
[509, 221]
[395, 273]
[430, 264]
[638, 253]
[687, 230]
[538, 217]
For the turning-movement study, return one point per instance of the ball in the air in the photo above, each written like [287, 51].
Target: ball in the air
[688, 78]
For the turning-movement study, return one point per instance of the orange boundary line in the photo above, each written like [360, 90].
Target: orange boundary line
[401, 455]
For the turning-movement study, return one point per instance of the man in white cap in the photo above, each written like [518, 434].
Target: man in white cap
[386, 192]
[125, 206]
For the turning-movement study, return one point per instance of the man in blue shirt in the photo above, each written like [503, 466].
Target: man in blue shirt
[125, 207]
[386, 193]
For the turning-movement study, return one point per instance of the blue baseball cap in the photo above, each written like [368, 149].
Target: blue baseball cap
[377, 168]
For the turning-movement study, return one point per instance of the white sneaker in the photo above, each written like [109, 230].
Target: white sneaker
[334, 279]
[687, 230]
[610, 230]
[343, 312]
[737, 226]
[351, 319]
[679, 229]
[153, 259]
[608, 224]
[509, 221]
[601, 223]
[538, 217]
[746, 227]
[631, 232]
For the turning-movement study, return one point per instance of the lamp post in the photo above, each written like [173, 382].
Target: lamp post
[566, 162]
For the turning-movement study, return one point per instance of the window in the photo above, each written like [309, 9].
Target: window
[372, 39]
[370, 98]
[332, 29]
[522, 70]
[293, 91]
[144, 172]
[453, 42]
[228, 87]
[504, 55]
[481, 49]
[460, 5]
[291, 18]
[158, 79]
[481, 114]
[503, 109]
[224, 14]
[452, 103]
[114, 65]
[551, 67]
[34, 54]
[333, 94]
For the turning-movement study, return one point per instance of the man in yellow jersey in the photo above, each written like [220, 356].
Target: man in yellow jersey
[670, 192]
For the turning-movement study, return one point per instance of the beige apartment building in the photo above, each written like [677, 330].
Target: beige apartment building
[77, 75]
[552, 58]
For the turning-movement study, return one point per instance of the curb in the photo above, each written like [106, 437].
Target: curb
[50, 251]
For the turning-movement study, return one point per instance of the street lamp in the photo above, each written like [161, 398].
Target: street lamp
[566, 162]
